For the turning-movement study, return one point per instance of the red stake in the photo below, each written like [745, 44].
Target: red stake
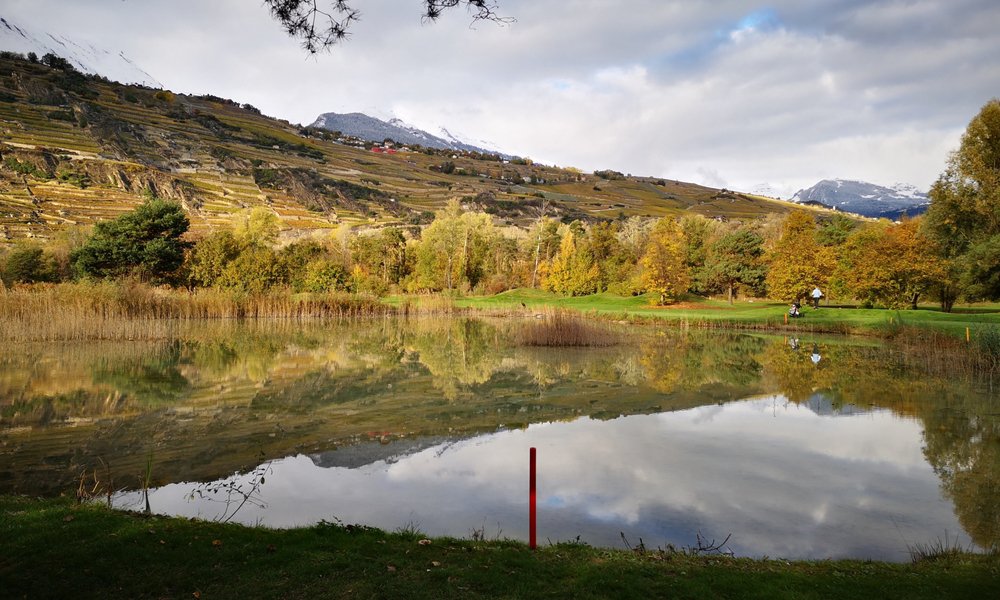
[531, 502]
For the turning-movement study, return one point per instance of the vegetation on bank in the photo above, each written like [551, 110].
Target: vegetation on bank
[54, 548]
[951, 254]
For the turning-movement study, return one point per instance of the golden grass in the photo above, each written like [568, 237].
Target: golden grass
[562, 328]
[135, 311]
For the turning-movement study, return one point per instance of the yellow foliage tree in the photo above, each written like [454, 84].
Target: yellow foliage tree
[572, 271]
[663, 269]
[797, 262]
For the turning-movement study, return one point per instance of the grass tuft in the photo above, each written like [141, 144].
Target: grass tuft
[561, 328]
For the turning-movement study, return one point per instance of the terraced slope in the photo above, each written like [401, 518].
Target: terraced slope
[75, 149]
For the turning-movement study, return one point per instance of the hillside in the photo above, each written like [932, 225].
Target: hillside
[77, 148]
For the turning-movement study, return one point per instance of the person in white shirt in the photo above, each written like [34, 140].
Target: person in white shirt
[816, 295]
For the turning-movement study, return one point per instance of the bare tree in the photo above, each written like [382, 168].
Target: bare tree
[320, 28]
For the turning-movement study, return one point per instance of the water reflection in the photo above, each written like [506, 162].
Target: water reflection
[211, 404]
[786, 480]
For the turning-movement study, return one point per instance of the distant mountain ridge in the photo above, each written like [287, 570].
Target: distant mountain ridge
[84, 56]
[362, 126]
[865, 199]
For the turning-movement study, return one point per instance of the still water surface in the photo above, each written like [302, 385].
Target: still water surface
[799, 448]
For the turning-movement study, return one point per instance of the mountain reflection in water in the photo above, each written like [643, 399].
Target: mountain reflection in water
[858, 454]
[785, 480]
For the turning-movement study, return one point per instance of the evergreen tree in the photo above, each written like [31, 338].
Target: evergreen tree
[736, 261]
[145, 242]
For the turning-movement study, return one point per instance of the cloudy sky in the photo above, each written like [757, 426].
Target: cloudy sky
[726, 93]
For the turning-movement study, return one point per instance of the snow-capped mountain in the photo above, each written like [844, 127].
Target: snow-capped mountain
[362, 126]
[866, 199]
[83, 55]
[768, 190]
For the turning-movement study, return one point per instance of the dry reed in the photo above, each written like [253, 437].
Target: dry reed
[134, 311]
[940, 353]
[559, 328]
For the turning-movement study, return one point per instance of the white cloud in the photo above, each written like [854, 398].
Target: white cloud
[716, 92]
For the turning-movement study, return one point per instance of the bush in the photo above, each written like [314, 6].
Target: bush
[323, 276]
[27, 264]
[255, 271]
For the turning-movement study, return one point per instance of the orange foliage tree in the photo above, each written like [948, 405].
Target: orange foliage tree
[891, 265]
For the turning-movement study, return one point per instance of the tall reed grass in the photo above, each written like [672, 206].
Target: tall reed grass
[940, 353]
[127, 310]
[560, 328]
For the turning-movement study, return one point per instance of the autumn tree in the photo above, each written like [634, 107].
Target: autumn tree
[663, 269]
[964, 216]
[572, 271]
[381, 254]
[453, 250]
[889, 265]
[608, 255]
[797, 263]
[241, 257]
[544, 240]
[735, 261]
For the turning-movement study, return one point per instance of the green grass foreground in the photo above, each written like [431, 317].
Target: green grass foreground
[57, 549]
[754, 315]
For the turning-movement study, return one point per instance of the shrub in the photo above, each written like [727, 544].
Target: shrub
[27, 264]
[323, 276]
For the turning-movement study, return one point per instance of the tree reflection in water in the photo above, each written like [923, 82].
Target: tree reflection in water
[209, 404]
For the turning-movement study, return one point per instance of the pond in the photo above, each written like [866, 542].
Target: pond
[804, 447]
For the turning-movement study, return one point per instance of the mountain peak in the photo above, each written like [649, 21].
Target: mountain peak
[84, 56]
[866, 199]
[362, 126]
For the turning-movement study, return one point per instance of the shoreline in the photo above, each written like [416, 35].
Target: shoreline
[56, 548]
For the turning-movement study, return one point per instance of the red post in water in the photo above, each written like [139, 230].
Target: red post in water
[531, 502]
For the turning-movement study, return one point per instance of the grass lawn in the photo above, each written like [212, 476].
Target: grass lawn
[57, 549]
[709, 312]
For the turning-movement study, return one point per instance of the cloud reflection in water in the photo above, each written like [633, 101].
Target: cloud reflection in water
[796, 481]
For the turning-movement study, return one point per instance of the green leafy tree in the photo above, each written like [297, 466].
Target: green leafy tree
[835, 230]
[698, 234]
[145, 242]
[322, 275]
[454, 250]
[254, 271]
[735, 261]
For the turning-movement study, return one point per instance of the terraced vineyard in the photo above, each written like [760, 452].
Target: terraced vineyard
[76, 149]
